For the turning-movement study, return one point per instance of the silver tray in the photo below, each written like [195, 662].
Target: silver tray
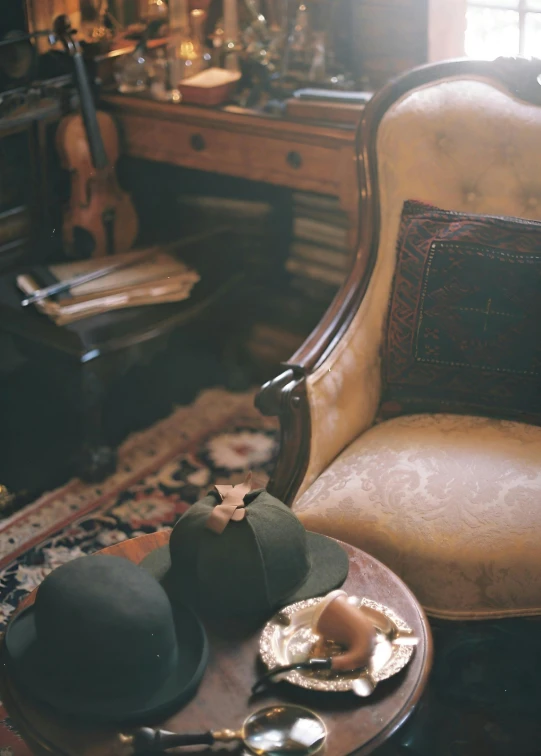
[280, 645]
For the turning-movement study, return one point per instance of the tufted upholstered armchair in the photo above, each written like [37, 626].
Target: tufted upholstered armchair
[450, 502]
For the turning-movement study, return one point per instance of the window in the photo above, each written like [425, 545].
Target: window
[503, 27]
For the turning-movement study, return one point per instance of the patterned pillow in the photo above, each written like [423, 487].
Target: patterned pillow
[464, 322]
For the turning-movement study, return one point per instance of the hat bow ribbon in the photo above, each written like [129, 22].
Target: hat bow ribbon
[231, 506]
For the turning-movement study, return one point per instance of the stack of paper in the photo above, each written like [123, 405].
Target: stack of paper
[157, 278]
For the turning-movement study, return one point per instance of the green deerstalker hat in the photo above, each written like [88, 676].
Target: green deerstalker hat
[245, 557]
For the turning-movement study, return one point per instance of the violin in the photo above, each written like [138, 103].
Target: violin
[100, 219]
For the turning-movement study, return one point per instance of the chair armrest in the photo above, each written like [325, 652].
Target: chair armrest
[343, 392]
[323, 408]
[285, 397]
[320, 371]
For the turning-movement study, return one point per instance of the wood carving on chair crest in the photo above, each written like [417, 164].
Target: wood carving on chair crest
[522, 76]
[286, 395]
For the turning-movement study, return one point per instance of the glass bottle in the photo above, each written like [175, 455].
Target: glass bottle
[319, 52]
[183, 52]
[184, 57]
[197, 20]
[160, 87]
[132, 72]
[156, 9]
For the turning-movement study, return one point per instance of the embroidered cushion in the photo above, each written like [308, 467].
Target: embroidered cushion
[464, 321]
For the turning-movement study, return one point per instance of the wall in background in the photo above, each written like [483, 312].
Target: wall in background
[390, 36]
[446, 29]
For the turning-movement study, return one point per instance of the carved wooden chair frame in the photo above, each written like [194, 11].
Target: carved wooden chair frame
[285, 396]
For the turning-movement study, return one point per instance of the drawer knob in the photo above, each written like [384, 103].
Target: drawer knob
[197, 142]
[294, 159]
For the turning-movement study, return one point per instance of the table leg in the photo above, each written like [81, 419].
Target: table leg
[96, 459]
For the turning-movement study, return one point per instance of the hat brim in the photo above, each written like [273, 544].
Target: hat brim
[25, 661]
[329, 568]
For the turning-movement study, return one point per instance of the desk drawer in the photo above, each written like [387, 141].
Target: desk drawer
[181, 144]
[258, 158]
[294, 164]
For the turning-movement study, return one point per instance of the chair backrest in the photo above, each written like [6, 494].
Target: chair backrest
[462, 135]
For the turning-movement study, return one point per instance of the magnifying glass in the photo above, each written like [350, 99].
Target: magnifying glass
[272, 731]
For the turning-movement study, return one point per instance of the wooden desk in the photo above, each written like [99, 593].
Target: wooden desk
[356, 726]
[292, 154]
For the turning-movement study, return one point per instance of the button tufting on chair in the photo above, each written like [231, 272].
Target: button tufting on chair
[443, 142]
[510, 151]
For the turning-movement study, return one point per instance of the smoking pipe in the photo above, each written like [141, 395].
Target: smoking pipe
[334, 618]
[337, 620]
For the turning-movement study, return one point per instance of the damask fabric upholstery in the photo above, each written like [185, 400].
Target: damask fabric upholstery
[464, 325]
[459, 144]
[450, 503]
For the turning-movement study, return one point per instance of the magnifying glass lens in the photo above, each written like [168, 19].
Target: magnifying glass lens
[281, 730]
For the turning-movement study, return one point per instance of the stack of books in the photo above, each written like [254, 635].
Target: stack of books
[198, 211]
[320, 255]
[317, 263]
[150, 277]
[313, 104]
[204, 207]
[269, 344]
[251, 221]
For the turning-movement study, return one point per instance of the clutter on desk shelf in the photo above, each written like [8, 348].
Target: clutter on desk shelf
[276, 49]
[155, 279]
[310, 110]
[185, 59]
[155, 9]
[210, 87]
[327, 105]
[132, 72]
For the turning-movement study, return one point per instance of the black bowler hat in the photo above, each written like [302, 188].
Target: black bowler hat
[103, 643]
[245, 557]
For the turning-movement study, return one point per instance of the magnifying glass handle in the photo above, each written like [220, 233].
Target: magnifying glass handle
[310, 665]
[147, 740]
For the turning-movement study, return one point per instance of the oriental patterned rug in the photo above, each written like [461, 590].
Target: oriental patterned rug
[160, 472]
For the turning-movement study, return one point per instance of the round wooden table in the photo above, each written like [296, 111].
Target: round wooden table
[355, 725]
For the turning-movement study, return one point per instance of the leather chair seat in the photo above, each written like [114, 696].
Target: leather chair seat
[450, 503]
